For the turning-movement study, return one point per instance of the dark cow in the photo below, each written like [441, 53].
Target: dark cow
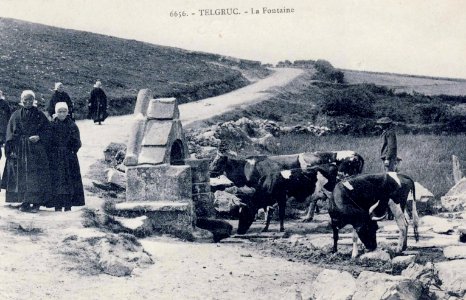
[274, 188]
[361, 200]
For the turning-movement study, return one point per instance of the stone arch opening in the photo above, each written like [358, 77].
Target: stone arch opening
[177, 153]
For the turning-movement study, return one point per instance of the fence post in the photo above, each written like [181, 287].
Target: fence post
[457, 174]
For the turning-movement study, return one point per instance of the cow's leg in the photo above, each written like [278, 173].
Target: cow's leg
[402, 225]
[310, 211]
[355, 251]
[269, 214]
[281, 215]
[335, 237]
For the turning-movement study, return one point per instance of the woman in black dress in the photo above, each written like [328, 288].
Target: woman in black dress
[26, 178]
[97, 104]
[67, 186]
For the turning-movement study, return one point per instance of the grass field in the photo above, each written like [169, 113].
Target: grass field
[409, 84]
[426, 158]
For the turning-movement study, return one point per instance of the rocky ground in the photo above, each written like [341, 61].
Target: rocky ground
[52, 255]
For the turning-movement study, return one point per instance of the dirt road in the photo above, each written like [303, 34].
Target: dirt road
[32, 268]
[115, 129]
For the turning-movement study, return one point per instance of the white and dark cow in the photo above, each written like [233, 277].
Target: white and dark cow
[275, 187]
[363, 200]
[348, 163]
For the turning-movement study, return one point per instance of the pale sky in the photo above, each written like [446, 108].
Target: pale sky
[422, 37]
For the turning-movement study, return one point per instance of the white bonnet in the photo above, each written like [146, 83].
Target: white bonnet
[27, 93]
[60, 105]
[57, 85]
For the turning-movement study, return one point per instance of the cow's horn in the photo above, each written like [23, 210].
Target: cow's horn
[374, 218]
[371, 209]
[241, 204]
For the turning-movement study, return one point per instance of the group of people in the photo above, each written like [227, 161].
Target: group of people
[42, 167]
[97, 103]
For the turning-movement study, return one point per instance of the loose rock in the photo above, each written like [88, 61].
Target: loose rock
[342, 284]
[455, 252]
[438, 225]
[376, 255]
[453, 274]
[402, 262]
[426, 274]
[225, 202]
[372, 285]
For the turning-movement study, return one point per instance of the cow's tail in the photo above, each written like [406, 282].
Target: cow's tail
[414, 213]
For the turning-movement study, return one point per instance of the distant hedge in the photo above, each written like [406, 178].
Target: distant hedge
[364, 103]
[326, 72]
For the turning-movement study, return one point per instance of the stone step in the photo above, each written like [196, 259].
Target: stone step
[157, 217]
[151, 206]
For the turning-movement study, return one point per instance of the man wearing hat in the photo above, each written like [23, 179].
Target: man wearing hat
[388, 153]
[60, 95]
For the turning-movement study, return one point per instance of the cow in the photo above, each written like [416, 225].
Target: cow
[348, 162]
[362, 200]
[243, 171]
[275, 187]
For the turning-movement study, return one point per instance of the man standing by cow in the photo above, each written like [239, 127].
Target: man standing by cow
[388, 153]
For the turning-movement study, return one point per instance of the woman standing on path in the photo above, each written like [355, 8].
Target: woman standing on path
[97, 104]
[26, 177]
[5, 114]
[67, 188]
[59, 95]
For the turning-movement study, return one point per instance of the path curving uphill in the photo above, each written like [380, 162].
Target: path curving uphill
[115, 129]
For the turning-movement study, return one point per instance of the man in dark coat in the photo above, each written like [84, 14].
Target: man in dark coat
[26, 178]
[97, 104]
[67, 186]
[388, 153]
[5, 114]
[60, 95]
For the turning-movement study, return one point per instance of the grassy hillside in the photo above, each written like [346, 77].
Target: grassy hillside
[35, 56]
[409, 84]
[354, 108]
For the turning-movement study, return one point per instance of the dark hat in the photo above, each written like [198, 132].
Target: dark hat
[384, 120]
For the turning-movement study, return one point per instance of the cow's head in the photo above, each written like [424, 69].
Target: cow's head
[218, 165]
[247, 214]
[349, 164]
[367, 234]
